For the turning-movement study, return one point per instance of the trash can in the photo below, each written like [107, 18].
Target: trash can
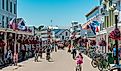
[110, 58]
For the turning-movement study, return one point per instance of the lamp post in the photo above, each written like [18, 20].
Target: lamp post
[116, 12]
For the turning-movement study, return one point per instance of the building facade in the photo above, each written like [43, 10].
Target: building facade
[61, 34]
[93, 15]
[107, 8]
[8, 10]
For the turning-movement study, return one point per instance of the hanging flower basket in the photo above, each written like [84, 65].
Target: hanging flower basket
[93, 43]
[102, 43]
[2, 43]
[115, 34]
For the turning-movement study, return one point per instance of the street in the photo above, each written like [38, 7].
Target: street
[62, 61]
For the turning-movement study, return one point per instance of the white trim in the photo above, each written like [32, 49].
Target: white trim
[102, 32]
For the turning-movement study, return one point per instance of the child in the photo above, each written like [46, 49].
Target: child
[79, 60]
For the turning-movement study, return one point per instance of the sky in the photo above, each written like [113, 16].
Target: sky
[61, 12]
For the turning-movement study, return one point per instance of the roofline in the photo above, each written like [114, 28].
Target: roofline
[97, 7]
[64, 31]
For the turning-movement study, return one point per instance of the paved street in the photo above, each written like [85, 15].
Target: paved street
[62, 61]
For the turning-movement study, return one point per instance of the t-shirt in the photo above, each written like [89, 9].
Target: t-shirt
[114, 51]
[74, 50]
[79, 60]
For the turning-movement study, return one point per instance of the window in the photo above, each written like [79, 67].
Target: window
[14, 8]
[2, 4]
[7, 22]
[11, 7]
[3, 21]
[66, 33]
[6, 5]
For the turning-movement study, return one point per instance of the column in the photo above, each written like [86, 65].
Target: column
[15, 43]
[5, 40]
[120, 12]
[107, 42]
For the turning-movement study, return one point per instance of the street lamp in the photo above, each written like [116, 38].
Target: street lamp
[116, 13]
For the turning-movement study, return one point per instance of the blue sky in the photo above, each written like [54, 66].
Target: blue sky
[62, 12]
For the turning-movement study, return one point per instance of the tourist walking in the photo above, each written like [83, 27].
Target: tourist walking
[15, 58]
[40, 52]
[36, 54]
[9, 57]
[74, 52]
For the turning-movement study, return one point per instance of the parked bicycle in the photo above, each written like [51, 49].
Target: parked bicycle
[101, 62]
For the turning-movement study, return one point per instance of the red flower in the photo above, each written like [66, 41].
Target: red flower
[115, 34]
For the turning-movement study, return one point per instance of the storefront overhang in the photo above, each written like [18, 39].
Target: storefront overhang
[2, 29]
[24, 33]
[85, 26]
[10, 30]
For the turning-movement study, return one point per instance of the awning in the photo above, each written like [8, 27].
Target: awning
[85, 26]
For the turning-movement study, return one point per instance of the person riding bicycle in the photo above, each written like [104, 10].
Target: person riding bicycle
[79, 60]
[74, 52]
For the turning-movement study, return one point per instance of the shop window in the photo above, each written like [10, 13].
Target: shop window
[14, 8]
[6, 5]
[3, 21]
[3, 4]
[11, 7]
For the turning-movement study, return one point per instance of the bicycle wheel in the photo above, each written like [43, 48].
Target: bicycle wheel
[108, 66]
[100, 67]
[78, 68]
[94, 63]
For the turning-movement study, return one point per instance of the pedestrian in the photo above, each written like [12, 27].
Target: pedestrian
[48, 52]
[120, 53]
[23, 51]
[114, 53]
[36, 54]
[9, 56]
[15, 58]
[74, 52]
[69, 47]
[40, 52]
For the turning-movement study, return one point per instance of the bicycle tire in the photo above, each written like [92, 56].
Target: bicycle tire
[100, 67]
[93, 63]
[78, 68]
[108, 66]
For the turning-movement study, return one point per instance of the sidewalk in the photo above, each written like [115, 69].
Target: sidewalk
[87, 64]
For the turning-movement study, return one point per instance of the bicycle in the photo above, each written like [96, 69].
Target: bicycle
[78, 67]
[103, 64]
[96, 59]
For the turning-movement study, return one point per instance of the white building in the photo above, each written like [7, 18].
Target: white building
[61, 34]
[8, 10]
